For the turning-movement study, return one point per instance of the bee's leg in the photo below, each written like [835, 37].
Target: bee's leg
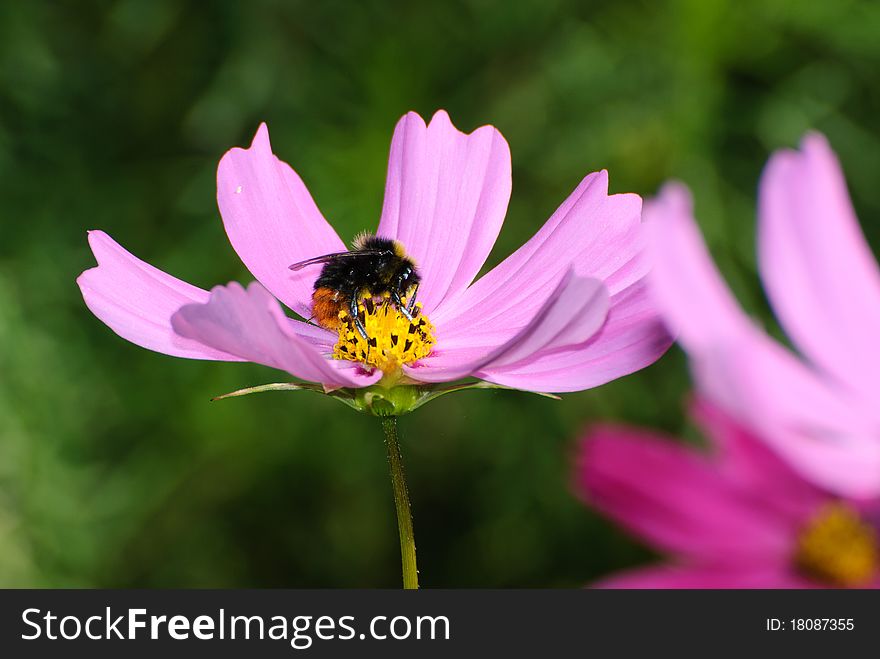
[395, 297]
[353, 310]
[411, 303]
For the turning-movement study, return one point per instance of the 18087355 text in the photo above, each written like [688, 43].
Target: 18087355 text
[810, 624]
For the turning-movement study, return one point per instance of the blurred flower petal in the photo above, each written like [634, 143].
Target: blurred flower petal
[748, 462]
[819, 272]
[813, 426]
[823, 430]
[702, 577]
[697, 305]
[738, 517]
[675, 499]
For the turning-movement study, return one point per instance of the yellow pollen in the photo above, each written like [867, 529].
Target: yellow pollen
[392, 339]
[837, 547]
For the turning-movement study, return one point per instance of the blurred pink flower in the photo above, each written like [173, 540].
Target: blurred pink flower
[567, 311]
[738, 517]
[822, 412]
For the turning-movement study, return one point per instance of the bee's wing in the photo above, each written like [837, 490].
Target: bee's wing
[336, 255]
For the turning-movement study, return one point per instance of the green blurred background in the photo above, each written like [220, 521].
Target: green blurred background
[115, 467]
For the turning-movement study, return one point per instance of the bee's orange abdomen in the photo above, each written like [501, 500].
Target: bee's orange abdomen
[325, 307]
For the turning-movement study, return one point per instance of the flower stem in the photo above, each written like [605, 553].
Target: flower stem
[401, 502]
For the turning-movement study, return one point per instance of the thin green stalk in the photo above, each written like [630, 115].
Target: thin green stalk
[401, 502]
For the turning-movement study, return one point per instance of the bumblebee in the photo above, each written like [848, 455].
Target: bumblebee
[375, 267]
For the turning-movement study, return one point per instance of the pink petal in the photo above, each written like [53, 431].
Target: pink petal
[676, 500]
[272, 221]
[445, 200]
[572, 313]
[598, 235]
[137, 300]
[819, 272]
[250, 324]
[819, 431]
[702, 577]
[632, 338]
[697, 305]
[747, 461]
[574, 318]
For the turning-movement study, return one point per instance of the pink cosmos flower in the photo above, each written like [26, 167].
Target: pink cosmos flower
[736, 517]
[567, 311]
[821, 412]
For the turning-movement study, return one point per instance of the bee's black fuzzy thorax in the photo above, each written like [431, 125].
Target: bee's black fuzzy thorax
[375, 264]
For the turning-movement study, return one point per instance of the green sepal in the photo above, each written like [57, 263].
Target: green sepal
[435, 391]
[379, 400]
[343, 395]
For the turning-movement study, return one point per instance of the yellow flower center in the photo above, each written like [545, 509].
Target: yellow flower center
[392, 339]
[836, 546]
